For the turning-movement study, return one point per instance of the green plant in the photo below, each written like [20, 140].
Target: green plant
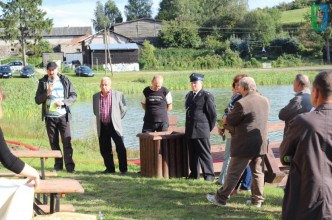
[287, 60]
[147, 58]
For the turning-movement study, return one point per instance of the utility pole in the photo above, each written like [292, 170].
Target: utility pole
[105, 41]
[108, 49]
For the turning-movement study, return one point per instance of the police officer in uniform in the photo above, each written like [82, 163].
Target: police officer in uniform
[200, 120]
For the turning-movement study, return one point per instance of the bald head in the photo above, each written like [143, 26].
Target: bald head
[301, 83]
[156, 82]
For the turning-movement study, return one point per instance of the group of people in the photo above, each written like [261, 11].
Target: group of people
[306, 147]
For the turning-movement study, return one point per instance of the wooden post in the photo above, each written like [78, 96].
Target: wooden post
[158, 159]
[172, 167]
[165, 158]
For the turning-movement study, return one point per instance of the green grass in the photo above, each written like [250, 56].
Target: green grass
[132, 196]
[294, 16]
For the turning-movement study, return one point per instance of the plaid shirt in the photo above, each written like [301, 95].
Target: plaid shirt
[105, 106]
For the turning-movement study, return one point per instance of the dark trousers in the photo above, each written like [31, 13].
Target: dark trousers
[54, 126]
[152, 127]
[200, 156]
[107, 132]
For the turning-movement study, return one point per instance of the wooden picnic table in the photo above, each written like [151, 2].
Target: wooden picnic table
[57, 188]
[42, 154]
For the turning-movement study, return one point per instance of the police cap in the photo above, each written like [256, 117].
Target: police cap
[194, 77]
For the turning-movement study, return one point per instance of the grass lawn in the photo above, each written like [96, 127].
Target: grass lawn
[132, 196]
[294, 16]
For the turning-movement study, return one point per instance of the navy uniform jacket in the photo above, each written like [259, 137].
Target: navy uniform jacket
[201, 114]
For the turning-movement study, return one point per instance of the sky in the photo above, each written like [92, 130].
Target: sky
[76, 13]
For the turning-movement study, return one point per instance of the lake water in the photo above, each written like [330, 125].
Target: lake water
[83, 122]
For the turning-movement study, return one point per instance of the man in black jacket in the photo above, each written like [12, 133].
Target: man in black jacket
[56, 93]
[200, 120]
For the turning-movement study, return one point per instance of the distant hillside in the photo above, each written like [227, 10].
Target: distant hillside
[294, 16]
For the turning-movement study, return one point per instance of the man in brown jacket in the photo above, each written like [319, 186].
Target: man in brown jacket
[308, 149]
[248, 125]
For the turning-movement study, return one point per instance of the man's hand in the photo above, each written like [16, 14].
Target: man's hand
[221, 131]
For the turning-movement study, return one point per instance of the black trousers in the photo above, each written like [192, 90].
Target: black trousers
[200, 156]
[107, 132]
[152, 127]
[54, 126]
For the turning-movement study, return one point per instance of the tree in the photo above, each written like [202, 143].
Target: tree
[167, 10]
[180, 33]
[138, 9]
[113, 12]
[24, 21]
[40, 47]
[261, 25]
[105, 15]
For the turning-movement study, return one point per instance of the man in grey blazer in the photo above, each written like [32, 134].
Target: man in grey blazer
[308, 149]
[300, 103]
[247, 123]
[109, 107]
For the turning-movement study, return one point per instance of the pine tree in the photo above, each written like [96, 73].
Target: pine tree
[136, 9]
[23, 21]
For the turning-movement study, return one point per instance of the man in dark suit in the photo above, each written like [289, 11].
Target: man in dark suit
[308, 149]
[247, 123]
[300, 103]
[201, 117]
[109, 107]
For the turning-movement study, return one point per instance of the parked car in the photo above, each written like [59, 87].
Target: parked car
[27, 72]
[16, 65]
[84, 71]
[75, 63]
[6, 71]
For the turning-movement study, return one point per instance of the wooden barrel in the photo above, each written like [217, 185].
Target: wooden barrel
[163, 154]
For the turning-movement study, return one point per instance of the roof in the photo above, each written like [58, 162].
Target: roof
[128, 46]
[68, 31]
[137, 20]
[102, 32]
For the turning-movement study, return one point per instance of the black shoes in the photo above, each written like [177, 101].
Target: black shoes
[107, 171]
[72, 171]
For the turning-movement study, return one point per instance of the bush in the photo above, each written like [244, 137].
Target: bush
[232, 58]
[35, 61]
[281, 45]
[287, 60]
[67, 70]
[148, 59]
[253, 63]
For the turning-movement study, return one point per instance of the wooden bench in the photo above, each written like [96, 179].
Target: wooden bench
[56, 188]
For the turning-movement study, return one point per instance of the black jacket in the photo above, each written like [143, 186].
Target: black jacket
[201, 114]
[69, 93]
